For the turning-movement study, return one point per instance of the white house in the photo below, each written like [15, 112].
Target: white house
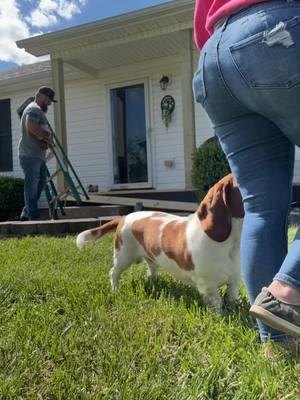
[107, 78]
[106, 75]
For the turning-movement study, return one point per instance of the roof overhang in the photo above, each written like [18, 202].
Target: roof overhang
[24, 77]
[88, 46]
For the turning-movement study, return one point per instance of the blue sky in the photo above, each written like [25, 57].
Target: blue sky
[21, 19]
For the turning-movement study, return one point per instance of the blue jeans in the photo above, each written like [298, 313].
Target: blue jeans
[248, 82]
[34, 182]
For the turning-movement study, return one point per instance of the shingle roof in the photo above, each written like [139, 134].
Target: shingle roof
[25, 70]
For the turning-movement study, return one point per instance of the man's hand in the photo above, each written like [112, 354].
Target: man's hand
[36, 130]
[49, 140]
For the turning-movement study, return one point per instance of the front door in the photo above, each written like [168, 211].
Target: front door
[129, 136]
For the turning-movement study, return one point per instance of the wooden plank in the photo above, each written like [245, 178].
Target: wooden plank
[148, 203]
[137, 191]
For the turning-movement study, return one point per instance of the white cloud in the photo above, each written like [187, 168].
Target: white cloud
[15, 26]
[40, 19]
[12, 28]
[67, 9]
[49, 12]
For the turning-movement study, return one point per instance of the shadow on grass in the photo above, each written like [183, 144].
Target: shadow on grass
[171, 289]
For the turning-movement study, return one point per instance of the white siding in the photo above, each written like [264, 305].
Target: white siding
[87, 138]
[167, 142]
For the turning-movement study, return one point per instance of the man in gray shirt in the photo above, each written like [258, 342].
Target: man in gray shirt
[35, 139]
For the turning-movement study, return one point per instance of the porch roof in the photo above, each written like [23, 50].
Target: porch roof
[127, 38]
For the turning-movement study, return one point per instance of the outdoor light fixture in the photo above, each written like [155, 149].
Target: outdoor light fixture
[164, 82]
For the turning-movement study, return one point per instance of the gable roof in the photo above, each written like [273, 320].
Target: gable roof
[26, 70]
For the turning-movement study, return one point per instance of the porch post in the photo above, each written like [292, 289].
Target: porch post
[188, 110]
[59, 109]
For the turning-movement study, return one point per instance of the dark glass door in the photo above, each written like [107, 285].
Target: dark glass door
[129, 135]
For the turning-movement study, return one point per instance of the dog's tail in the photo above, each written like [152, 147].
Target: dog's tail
[97, 233]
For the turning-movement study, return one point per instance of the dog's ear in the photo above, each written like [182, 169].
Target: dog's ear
[222, 202]
[233, 197]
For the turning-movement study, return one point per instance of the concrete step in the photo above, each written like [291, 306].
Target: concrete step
[74, 212]
[48, 227]
[66, 226]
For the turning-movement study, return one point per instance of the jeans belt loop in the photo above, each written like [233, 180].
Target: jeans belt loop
[222, 23]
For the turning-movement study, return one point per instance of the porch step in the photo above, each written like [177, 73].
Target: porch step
[145, 203]
[90, 211]
[47, 227]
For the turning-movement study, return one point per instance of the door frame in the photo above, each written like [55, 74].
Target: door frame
[132, 82]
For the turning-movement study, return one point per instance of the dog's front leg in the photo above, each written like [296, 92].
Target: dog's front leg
[211, 298]
[233, 290]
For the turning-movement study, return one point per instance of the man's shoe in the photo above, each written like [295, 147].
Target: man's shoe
[277, 314]
[23, 218]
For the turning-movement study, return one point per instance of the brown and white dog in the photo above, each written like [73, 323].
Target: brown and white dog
[202, 249]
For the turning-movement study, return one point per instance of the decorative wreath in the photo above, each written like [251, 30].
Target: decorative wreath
[167, 106]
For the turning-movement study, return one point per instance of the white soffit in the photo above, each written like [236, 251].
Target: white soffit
[154, 21]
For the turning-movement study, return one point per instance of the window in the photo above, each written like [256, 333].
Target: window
[6, 163]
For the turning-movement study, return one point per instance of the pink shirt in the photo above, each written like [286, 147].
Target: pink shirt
[209, 12]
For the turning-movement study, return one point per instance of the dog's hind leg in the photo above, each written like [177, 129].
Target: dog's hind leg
[152, 268]
[122, 261]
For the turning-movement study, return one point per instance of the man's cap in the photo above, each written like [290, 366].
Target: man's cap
[47, 92]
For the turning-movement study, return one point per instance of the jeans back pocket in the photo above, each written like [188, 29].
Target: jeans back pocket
[270, 59]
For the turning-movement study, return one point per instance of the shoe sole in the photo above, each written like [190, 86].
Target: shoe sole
[275, 322]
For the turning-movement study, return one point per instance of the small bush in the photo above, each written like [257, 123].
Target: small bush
[209, 166]
[11, 197]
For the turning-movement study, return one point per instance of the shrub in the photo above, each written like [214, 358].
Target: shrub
[209, 166]
[11, 197]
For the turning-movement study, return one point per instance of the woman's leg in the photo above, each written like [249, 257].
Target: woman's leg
[262, 160]
[254, 115]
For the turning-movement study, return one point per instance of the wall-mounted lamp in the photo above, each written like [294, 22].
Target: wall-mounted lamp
[164, 80]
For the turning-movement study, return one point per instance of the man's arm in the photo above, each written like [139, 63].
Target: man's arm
[35, 129]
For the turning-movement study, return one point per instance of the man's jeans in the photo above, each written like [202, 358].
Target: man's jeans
[35, 180]
[248, 82]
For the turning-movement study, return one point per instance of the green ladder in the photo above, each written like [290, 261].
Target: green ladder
[73, 186]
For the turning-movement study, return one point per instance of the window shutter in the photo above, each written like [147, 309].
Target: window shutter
[6, 161]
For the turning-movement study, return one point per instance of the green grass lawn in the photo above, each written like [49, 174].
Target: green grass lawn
[65, 335]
